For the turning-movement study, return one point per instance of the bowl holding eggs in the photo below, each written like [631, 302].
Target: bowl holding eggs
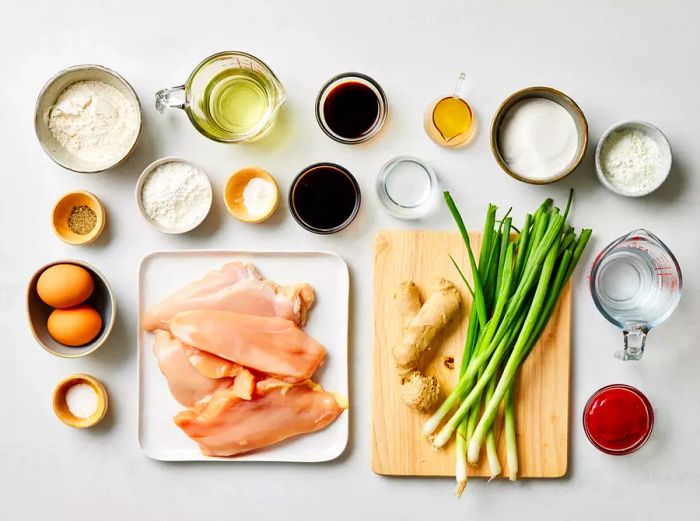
[71, 308]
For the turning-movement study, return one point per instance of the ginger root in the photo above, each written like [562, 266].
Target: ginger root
[420, 392]
[407, 301]
[442, 305]
[421, 325]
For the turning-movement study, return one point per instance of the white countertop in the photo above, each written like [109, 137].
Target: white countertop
[626, 59]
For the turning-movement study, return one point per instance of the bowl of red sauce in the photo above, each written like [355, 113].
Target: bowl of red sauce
[618, 419]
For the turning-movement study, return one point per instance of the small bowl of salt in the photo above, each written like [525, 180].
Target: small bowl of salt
[251, 195]
[174, 195]
[633, 158]
[80, 401]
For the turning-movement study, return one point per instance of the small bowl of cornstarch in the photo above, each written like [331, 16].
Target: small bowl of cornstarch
[174, 195]
[633, 158]
[88, 118]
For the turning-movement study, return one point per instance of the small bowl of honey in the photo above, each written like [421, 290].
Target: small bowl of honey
[78, 218]
[449, 120]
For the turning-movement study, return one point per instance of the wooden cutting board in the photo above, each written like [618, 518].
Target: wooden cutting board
[542, 416]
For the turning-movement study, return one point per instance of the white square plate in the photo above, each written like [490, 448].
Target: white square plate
[161, 273]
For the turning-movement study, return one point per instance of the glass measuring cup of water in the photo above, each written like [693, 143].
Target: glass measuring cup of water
[636, 284]
[230, 97]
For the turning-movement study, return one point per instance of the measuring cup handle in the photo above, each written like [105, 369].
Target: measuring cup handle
[635, 340]
[459, 86]
[174, 97]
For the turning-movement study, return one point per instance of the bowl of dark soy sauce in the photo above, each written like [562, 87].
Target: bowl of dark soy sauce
[324, 198]
[351, 108]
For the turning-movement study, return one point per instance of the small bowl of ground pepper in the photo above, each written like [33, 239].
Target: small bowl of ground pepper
[78, 218]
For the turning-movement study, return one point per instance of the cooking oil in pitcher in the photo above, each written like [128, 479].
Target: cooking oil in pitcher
[230, 97]
[449, 121]
[238, 101]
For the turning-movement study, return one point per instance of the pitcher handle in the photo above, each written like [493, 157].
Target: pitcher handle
[459, 86]
[174, 97]
[635, 340]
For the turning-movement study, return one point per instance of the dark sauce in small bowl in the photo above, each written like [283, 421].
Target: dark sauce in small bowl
[324, 198]
[351, 108]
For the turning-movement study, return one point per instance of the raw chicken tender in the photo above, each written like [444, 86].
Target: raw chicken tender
[225, 425]
[210, 365]
[186, 384]
[235, 287]
[271, 345]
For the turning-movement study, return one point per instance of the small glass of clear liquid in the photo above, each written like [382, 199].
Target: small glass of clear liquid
[407, 187]
[636, 284]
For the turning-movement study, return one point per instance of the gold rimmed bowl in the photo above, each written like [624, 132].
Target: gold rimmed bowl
[552, 95]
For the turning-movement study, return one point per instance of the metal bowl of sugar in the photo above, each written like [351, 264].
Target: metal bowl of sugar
[174, 195]
[633, 158]
[539, 135]
[407, 187]
[88, 118]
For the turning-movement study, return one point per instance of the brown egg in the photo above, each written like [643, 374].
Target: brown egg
[74, 326]
[65, 285]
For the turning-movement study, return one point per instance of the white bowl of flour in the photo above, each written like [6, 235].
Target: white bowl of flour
[633, 158]
[88, 118]
[174, 195]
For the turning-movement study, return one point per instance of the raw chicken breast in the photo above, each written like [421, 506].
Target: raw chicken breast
[210, 365]
[225, 425]
[271, 345]
[186, 384]
[235, 287]
[267, 299]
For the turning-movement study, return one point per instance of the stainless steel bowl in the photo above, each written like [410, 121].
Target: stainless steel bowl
[47, 99]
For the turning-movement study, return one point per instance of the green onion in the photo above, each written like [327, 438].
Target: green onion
[515, 289]
[511, 442]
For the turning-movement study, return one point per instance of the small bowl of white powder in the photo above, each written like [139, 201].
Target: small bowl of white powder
[633, 158]
[174, 195]
[539, 135]
[80, 401]
[88, 118]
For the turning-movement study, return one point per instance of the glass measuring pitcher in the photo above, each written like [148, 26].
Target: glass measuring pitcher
[636, 284]
[230, 97]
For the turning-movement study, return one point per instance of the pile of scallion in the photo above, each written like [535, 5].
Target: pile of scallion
[515, 289]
